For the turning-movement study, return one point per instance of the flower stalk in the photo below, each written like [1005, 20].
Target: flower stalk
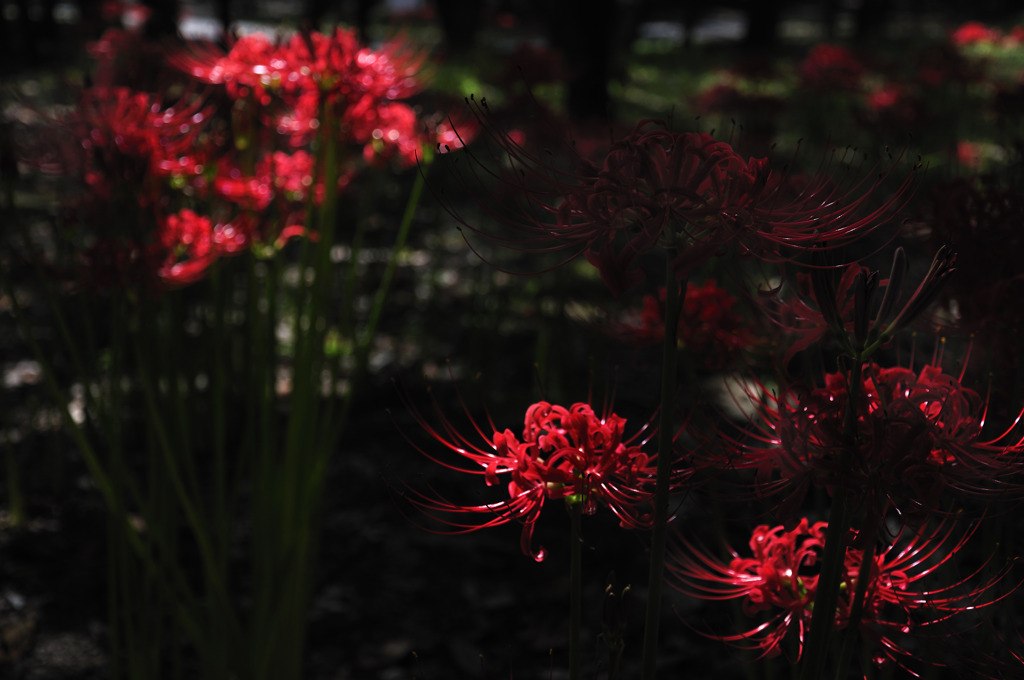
[856, 611]
[834, 552]
[675, 293]
[575, 508]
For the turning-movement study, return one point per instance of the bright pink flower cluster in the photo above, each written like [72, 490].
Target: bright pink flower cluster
[563, 453]
[779, 580]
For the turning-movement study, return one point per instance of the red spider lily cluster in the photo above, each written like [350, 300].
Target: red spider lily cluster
[312, 73]
[830, 68]
[851, 312]
[779, 581]
[685, 192]
[919, 436]
[725, 97]
[229, 163]
[985, 300]
[976, 33]
[894, 107]
[710, 326]
[568, 453]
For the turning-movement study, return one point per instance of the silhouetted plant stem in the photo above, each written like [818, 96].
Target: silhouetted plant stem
[830, 577]
[575, 507]
[856, 610]
[674, 293]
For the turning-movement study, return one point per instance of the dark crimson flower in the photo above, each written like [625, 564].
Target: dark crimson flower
[917, 437]
[830, 68]
[531, 64]
[563, 453]
[110, 263]
[709, 327]
[127, 135]
[852, 313]
[124, 57]
[778, 582]
[659, 189]
[894, 108]
[727, 98]
[943, 64]
[986, 299]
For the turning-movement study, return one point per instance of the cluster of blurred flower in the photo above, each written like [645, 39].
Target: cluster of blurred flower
[206, 153]
[885, 96]
[977, 33]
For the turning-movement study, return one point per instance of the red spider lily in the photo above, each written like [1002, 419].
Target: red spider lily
[943, 65]
[250, 68]
[125, 57]
[709, 326]
[563, 453]
[830, 68]
[655, 189]
[282, 176]
[974, 33]
[393, 134]
[894, 108]
[917, 436]
[727, 98]
[187, 240]
[127, 135]
[985, 299]
[308, 69]
[778, 584]
[849, 312]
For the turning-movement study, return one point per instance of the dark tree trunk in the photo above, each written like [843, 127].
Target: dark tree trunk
[871, 18]
[460, 21]
[163, 23]
[583, 30]
[763, 18]
[829, 13]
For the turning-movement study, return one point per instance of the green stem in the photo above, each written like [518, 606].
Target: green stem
[219, 359]
[370, 330]
[575, 586]
[674, 294]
